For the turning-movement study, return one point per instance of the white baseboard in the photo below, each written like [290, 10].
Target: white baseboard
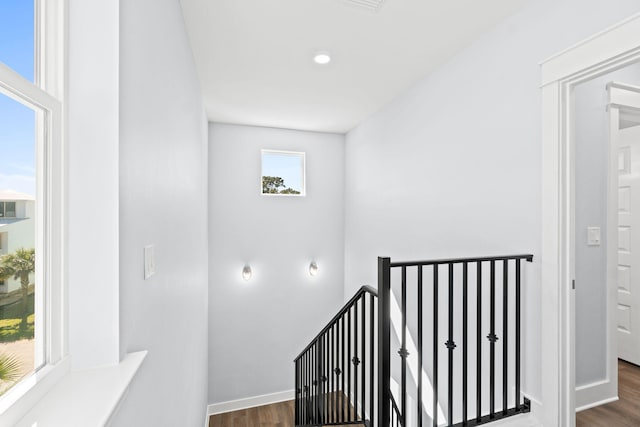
[594, 404]
[595, 394]
[250, 402]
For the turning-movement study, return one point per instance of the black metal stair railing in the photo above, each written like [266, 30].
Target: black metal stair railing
[452, 283]
[466, 316]
[335, 373]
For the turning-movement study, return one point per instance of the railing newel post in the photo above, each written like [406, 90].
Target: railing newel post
[384, 340]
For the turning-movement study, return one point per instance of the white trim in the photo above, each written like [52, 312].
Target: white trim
[623, 95]
[50, 231]
[595, 394]
[599, 403]
[30, 390]
[87, 398]
[250, 402]
[617, 43]
[607, 51]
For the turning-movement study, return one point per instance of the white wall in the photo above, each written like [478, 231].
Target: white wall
[592, 139]
[258, 327]
[452, 167]
[91, 137]
[163, 201]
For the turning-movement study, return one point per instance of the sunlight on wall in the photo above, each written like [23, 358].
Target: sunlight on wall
[412, 364]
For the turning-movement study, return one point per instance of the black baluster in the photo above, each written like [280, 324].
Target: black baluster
[451, 345]
[435, 345]
[342, 402]
[479, 342]
[314, 400]
[403, 351]
[492, 339]
[419, 400]
[355, 361]
[363, 369]
[306, 388]
[332, 359]
[324, 379]
[372, 323]
[505, 341]
[348, 361]
[464, 340]
[517, 334]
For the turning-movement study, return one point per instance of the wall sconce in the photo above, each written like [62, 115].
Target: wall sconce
[246, 272]
[313, 268]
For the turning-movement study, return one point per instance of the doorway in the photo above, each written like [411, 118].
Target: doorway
[606, 237]
[610, 50]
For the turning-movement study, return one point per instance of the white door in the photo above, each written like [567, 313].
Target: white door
[629, 244]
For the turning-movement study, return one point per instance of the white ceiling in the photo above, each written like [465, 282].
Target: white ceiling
[254, 57]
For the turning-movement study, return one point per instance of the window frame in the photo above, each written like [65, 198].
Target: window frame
[303, 159]
[45, 94]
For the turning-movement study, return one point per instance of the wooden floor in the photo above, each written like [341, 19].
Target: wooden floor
[275, 415]
[623, 413]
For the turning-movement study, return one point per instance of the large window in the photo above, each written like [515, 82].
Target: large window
[30, 200]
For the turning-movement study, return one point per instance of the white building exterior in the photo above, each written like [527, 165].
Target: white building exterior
[17, 228]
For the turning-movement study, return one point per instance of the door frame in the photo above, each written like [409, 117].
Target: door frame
[602, 53]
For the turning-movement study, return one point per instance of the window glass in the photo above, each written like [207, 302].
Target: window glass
[17, 46]
[20, 352]
[10, 209]
[283, 173]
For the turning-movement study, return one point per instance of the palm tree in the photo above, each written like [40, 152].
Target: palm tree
[9, 367]
[20, 265]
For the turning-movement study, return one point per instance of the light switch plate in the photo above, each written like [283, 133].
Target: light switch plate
[149, 261]
[593, 236]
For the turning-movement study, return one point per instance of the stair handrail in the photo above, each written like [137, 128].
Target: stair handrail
[396, 411]
[363, 290]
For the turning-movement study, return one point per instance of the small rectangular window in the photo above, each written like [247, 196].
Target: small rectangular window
[283, 173]
[10, 209]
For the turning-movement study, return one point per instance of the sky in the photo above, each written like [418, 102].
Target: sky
[17, 122]
[287, 166]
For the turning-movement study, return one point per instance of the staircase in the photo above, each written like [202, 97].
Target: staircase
[372, 366]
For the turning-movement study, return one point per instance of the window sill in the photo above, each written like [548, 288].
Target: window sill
[85, 398]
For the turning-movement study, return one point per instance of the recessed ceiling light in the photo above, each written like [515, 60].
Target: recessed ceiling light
[322, 58]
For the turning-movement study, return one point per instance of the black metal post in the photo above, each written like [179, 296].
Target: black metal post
[517, 334]
[492, 340]
[372, 400]
[342, 375]
[450, 346]
[384, 340]
[465, 313]
[505, 336]
[479, 341]
[420, 301]
[363, 350]
[355, 361]
[403, 350]
[435, 345]
[348, 361]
